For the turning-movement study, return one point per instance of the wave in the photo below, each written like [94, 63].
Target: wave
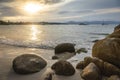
[50, 45]
[27, 44]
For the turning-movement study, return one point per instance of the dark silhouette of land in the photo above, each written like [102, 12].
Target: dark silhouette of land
[59, 23]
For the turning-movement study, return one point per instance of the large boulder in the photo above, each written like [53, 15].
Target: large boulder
[65, 47]
[28, 63]
[117, 28]
[91, 72]
[108, 49]
[63, 68]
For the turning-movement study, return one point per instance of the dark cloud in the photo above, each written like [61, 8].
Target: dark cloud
[51, 1]
[6, 1]
[73, 12]
[8, 11]
[41, 1]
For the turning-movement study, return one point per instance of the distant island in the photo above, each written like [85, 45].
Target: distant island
[60, 23]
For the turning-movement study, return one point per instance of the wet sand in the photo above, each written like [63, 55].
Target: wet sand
[7, 73]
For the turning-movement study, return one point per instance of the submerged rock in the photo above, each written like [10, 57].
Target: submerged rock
[55, 57]
[65, 47]
[91, 72]
[94, 41]
[108, 50]
[28, 63]
[63, 56]
[84, 50]
[63, 68]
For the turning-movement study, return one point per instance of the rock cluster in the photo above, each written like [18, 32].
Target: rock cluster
[105, 68]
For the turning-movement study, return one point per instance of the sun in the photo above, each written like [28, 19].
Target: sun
[32, 8]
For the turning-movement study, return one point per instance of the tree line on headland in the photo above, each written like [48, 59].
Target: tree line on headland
[2, 22]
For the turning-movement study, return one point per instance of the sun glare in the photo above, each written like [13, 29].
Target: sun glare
[32, 8]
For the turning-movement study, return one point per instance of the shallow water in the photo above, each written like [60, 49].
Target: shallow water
[41, 40]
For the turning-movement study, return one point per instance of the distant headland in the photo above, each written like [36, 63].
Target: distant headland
[2, 22]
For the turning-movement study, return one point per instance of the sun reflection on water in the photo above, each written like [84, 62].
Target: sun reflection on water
[34, 32]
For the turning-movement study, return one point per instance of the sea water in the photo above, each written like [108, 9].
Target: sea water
[42, 39]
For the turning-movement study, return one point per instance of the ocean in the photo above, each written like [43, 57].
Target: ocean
[42, 39]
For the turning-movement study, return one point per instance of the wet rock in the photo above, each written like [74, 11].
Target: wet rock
[81, 65]
[91, 72]
[63, 56]
[48, 77]
[99, 63]
[55, 57]
[28, 63]
[63, 68]
[108, 50]
[95, 41]
[106, 68]
[65, 47]
[117, 28]
[110, 69]
[114, 77]
[84, 50]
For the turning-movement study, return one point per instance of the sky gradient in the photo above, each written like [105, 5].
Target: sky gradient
[62, 10]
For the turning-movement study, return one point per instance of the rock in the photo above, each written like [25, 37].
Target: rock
[108, 50]
[114, 77]
[110, 69]
[28, 63]
[48, 77]
[64, 47]
[63, 56]
[55, 57]
[81, 65]
[99, 63]
[91, 72]
[63, 68]
[82, 50]
[106, 68]
[95, 41]
[117, 28]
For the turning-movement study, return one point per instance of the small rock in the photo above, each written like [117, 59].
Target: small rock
[95, 41]
[114, 77]
[65, 47]
[55, 57]
[63, 68]
[91, 72]
[82, 50]
[48, 77]
[81, 65]
[28, 63]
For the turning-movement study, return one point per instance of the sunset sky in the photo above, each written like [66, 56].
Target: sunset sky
[59, 10]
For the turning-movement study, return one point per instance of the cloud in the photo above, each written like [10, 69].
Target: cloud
[40, 1]
[6, 1]
[96, 12]
[74, 11]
